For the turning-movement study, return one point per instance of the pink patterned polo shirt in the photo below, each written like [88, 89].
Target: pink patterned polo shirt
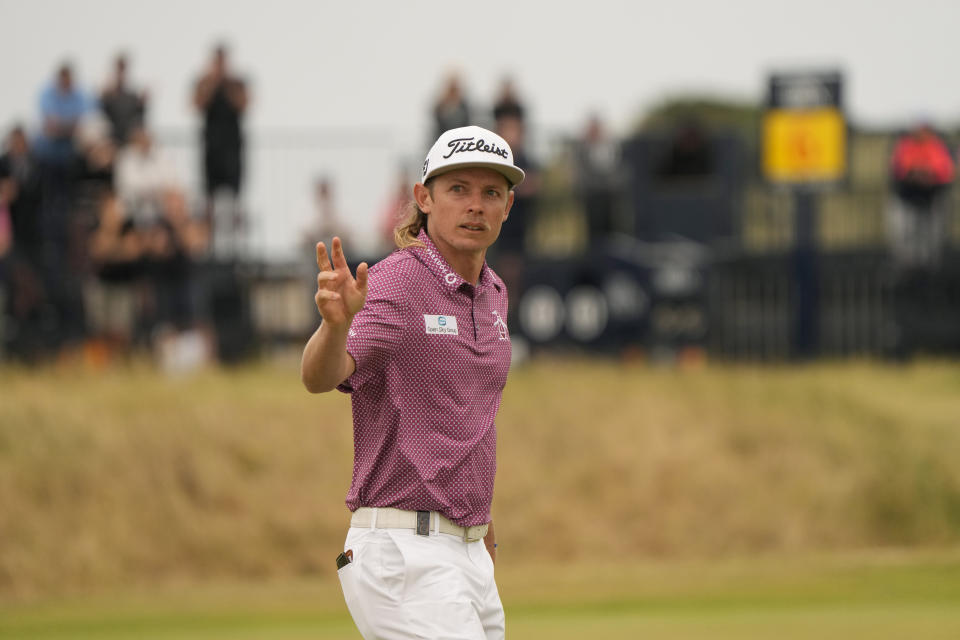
[432, 354]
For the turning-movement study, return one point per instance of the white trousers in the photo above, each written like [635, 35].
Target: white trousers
[436, 587]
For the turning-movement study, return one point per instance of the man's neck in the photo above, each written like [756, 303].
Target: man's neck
[467, 265]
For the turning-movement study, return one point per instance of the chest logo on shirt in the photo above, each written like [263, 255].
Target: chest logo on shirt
[440, 325]
[500, 326]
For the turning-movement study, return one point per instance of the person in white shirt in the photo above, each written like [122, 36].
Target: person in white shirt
[143, 175]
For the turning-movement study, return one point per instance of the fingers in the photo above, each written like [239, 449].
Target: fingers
[325, 277]
[362, 276]
[323, 262]
[325, 295]
[339, 261]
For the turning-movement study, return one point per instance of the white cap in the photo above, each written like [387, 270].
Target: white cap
[471, 146]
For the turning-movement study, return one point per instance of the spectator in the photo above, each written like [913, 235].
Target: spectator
[921, 171]
[507, 104]
[513, 235]
[689, 155]
[6, 225]
[6, 238]
[20, 168]
[95, 175]
[6, 247]
[20, 198]
[327, 222]
[598, 178]
[123, 107]
[393, 209]
[222, 98]
[143, 176]
[114, 296]
[451, 110]
[172, 245]
[509, 260]
[62, 106]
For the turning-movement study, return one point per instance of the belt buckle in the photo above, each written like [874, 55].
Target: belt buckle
[423, 523]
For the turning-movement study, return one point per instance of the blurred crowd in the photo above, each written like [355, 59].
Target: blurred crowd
[103, 250]
[101, 247]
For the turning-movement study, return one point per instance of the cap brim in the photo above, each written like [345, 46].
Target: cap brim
[513, 175]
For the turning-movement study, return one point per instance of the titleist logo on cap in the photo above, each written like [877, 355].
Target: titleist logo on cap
[471, 146]
[463, 145]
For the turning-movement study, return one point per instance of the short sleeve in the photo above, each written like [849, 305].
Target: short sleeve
[374, 336]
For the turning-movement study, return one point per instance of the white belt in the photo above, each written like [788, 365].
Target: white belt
[390, 518]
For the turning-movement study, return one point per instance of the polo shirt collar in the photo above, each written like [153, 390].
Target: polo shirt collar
[434, 261]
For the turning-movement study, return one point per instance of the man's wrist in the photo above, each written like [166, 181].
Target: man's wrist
[337, 328]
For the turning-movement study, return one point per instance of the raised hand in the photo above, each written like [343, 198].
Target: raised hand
[339, 295]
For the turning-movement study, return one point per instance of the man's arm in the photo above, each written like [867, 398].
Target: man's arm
[203, 91]
[490, 540]
[326, 362]
[339, 298]
[237, 94]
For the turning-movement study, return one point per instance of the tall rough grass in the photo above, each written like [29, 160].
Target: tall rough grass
[129, 477]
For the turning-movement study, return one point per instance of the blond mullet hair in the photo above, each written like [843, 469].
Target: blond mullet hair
[412, 221]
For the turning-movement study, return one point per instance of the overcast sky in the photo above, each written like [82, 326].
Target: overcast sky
[359, 64]
[377, 65]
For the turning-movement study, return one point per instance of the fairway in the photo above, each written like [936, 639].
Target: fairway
[878, 595]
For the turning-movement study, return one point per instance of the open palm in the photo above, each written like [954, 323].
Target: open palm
[339, 295]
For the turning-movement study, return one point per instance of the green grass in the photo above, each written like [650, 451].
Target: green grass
[866, 595]
[631, 502]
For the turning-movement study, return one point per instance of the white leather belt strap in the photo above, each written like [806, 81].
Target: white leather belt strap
[390, 518]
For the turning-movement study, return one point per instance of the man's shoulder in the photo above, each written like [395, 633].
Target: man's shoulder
[396, 271]
[396, 265]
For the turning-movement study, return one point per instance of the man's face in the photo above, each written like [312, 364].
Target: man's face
[465, 208]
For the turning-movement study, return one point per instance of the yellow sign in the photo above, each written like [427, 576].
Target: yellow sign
[804, 145]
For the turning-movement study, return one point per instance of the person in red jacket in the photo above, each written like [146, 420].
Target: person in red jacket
[922, 170]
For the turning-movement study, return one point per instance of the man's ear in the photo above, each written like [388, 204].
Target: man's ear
[510, 195]
[421, 194]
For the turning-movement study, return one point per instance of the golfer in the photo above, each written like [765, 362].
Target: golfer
[421, 344]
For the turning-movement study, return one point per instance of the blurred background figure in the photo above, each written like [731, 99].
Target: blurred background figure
[451, 110]
[327, 222]
[114, 294]
[6, 251]
[62, 105]
[507, 104]
[6, 231]
[221, 97]
[96, 167]
[397, 200]
[123, 106]
[20, 201]
[143, 177]
[20, 170]
[921, 172]
[689, 155]
[513, 235]
[598, 179]
[509, 255]
[173, 244]
[917, 216]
